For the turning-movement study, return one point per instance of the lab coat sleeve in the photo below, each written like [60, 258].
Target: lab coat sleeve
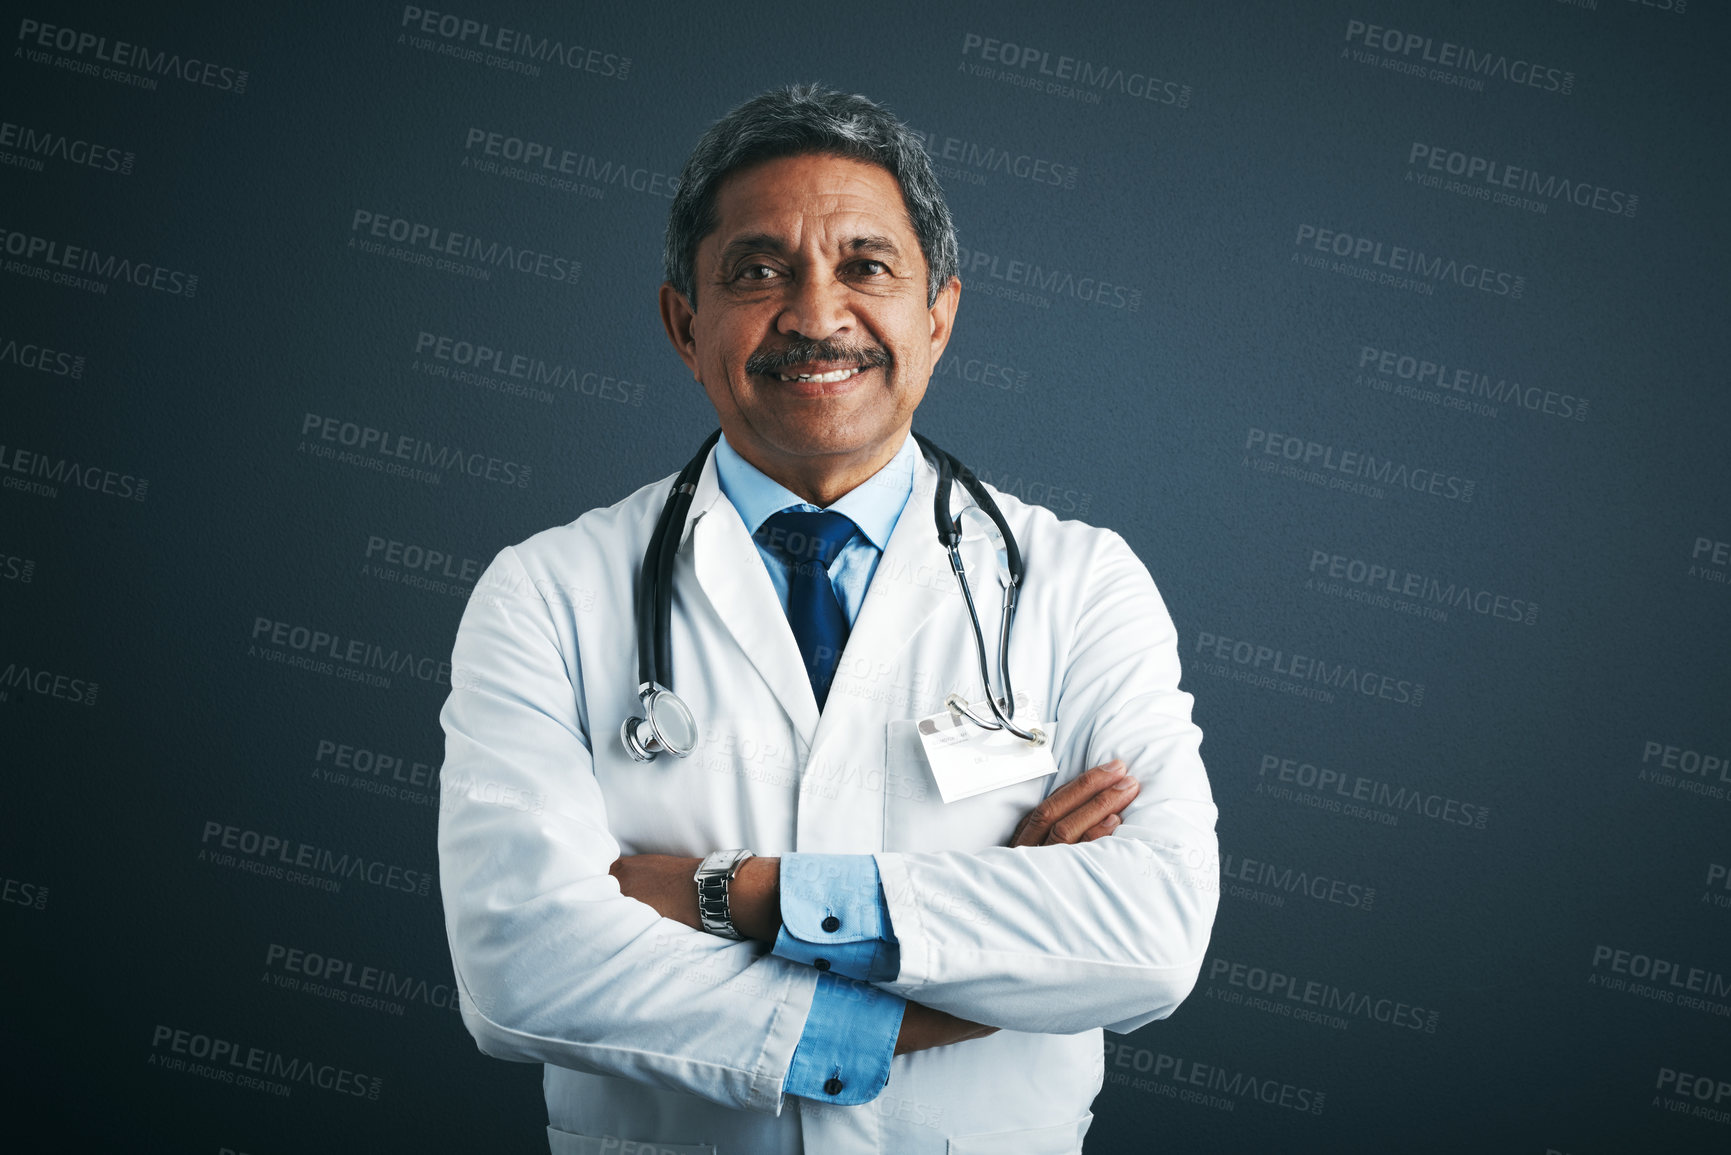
[553, 964]
[1112, 932]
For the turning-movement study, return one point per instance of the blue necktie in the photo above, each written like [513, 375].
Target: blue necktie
[807, 543]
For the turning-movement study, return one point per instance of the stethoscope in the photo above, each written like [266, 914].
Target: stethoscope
[667, 723]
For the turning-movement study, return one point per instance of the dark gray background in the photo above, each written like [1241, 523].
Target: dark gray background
[1133, 419]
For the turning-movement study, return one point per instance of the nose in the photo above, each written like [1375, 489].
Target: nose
[818, 308]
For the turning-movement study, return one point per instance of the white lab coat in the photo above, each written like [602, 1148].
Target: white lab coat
[657, 1034]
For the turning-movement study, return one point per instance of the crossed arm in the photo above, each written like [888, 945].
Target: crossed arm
[1082, 810]
[554, 964]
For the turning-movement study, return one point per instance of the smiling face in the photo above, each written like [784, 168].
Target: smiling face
[811, 332]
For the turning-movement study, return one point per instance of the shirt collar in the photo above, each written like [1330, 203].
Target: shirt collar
[874, 505]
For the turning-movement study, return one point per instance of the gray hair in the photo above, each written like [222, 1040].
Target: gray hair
[796, 121]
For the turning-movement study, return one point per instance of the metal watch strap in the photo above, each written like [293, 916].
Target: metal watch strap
[713, 878]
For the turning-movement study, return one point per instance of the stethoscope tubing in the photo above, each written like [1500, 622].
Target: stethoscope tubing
[654, 608]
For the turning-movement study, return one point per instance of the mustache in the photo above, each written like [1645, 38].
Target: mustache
[801, 350]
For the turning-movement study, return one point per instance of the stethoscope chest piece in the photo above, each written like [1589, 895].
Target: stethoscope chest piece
[667, 725]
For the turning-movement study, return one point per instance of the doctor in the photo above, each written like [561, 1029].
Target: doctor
[871, 968]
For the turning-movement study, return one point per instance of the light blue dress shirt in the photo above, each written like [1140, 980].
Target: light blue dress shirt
[832, 908]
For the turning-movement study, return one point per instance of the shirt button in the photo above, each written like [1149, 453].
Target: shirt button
[833, 1087]
[821, 964]
[832, 924]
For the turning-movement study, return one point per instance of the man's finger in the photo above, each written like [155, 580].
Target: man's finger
[1102, 828]
[1034, 828]
[1070, 829]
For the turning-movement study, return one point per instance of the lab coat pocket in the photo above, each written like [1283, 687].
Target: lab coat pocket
[1060, 1139]
[571, 1143]
[917, 818]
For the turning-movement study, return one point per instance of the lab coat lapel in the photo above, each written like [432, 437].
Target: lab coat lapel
[732, 575]
[912, 580]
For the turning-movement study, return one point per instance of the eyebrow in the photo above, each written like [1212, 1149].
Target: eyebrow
[767, 242]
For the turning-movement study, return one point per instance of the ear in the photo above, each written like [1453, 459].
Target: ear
[943, 317]
[677, 317]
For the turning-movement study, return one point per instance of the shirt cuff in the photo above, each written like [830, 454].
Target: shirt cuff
[844, 1054]
[834, 918]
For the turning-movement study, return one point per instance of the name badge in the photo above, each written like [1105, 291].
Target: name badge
[967, 759]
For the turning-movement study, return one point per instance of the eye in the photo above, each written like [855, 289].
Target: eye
[871, 268]
[756, 273]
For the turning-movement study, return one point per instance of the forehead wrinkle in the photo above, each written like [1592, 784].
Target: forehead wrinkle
[770, 243]
[874, 244]
[854, 212]
[755, 242]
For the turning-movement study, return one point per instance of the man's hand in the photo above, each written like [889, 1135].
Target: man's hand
[1080, 811]
[924, 1028]
[664, 881]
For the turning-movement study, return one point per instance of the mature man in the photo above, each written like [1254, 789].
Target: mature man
[888, 972]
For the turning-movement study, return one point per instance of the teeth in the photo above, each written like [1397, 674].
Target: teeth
[822, 378]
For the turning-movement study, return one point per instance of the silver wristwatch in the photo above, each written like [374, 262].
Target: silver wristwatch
[713, 877]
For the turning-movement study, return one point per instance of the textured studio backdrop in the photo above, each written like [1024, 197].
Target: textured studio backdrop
[1392, 336]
